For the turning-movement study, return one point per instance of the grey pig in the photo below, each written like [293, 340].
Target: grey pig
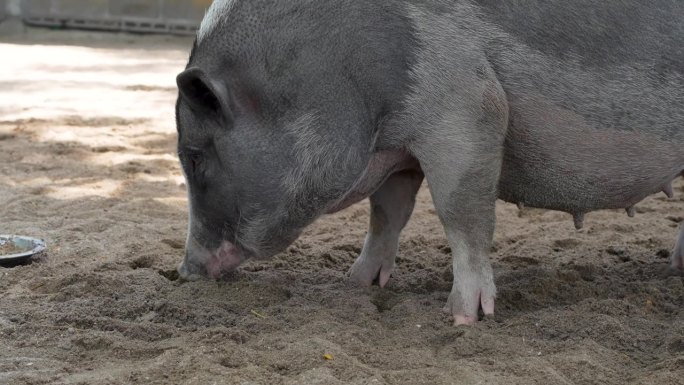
[289, 110]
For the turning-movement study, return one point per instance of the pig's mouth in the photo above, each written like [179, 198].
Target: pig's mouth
[224, 259]
[201, 262]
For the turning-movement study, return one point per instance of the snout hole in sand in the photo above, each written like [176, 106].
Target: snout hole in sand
[170, 274]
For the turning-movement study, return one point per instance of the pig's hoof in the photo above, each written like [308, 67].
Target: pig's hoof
[365, 270]
[467, 298]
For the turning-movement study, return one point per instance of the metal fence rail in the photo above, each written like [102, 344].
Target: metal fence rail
[155, 16]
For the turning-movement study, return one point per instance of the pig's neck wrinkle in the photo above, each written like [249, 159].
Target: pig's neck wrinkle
[381, 165]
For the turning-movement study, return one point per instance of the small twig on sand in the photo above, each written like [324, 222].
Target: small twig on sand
[256, 313]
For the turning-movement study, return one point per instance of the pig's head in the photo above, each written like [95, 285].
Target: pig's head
[277, 113]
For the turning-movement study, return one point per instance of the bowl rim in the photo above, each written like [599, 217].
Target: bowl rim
[38, 246]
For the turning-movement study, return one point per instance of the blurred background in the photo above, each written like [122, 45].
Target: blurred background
[159, 16]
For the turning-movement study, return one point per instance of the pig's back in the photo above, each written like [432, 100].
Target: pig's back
[596, 97]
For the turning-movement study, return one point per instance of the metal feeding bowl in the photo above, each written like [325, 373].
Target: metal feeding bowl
[17, 250]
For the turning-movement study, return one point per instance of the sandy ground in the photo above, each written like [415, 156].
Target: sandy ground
[87, 163]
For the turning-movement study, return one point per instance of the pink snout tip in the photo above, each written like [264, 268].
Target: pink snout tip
[226, 258]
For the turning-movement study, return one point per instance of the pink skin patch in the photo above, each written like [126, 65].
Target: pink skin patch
[487, 305]
[384, 277]
[226, 258]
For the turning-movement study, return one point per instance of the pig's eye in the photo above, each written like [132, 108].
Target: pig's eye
[195, 160]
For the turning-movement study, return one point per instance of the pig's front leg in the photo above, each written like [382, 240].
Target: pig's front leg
[464, 195]
[391, 207]
[460, 150]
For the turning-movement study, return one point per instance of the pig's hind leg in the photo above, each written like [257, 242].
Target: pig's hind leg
[391, 207]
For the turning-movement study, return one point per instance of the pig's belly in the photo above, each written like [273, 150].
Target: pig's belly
[570, 167]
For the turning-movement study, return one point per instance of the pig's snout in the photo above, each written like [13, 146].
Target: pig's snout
[200, 262]
[190, 272]
[226, 258]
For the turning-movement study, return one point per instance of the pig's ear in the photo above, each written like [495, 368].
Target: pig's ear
[202, 93]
